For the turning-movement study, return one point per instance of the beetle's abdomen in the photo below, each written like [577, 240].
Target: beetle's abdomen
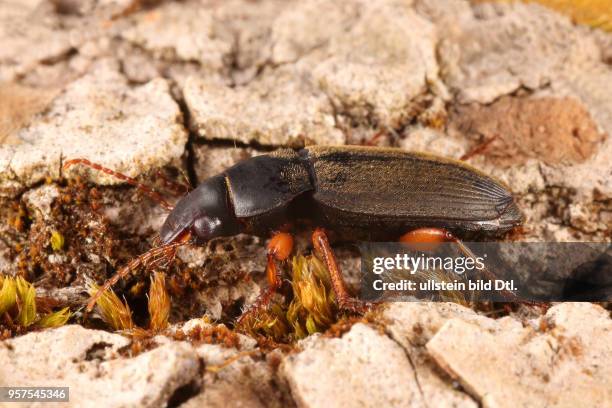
[368, 188]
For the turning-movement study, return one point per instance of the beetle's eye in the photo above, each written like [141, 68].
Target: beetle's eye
[206, 227]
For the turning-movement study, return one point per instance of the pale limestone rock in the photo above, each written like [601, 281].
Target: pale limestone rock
[363, 368]
[180, 32]
[248, 25]
[379, 68]
[88, 362]
[28, 37]
[237, 378]
[100, 118]
[310, 25]
[561, 360]
[281, 108]
[423, 139]
[412, 325]
[212, 160]
[502, 47]
[39, 200]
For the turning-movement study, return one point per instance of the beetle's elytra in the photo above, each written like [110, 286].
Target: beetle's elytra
[359, 193]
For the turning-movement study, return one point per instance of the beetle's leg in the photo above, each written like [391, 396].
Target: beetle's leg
[429, 238]
[345, 301]
[278, 249]
[145, 189]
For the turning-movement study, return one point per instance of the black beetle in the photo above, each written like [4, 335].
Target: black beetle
[359, 193]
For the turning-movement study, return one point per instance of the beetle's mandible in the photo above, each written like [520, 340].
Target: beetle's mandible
[359, 193]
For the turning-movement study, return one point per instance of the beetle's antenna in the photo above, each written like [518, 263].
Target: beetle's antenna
[179, 189]
[145, 189]
[152, 257]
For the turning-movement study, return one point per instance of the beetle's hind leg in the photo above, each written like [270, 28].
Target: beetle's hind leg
[427, 238]
[345, 300]
[279, 248]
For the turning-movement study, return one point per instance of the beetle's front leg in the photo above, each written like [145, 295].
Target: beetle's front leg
[278, 249]
[345, 301]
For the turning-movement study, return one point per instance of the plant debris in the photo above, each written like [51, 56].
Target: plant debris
[20, 308]
[159, 303]
[310, 308]
[112, 310]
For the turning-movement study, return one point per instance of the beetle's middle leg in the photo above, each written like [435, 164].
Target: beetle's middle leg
[345, 300]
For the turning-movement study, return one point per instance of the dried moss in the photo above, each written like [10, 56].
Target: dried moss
[213, 334]
[311, 307]
[114, 312]
[26, 300]
[159, 303]
[117, 314]
[20, 311]
[55, 319]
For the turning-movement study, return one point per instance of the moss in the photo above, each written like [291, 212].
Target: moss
[213, 334]
[20, 308]
[57, 241]
[55, 319]
[26, 299]
[309, 308]
[159, 303]
[8, 294]
[114, 312]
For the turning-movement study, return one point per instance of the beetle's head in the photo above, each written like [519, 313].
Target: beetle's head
[201, 215]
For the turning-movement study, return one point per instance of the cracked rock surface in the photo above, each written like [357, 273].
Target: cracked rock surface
[101, 118]
[190, 88]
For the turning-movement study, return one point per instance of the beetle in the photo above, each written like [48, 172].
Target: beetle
[356, 192]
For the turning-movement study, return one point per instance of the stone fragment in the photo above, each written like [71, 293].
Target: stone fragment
[88, 362]
[281, 108]
[412, 325]
[239, 378]
[39, 200]
[378, 70]
[363, 368]
[310, 25]
[29, 35]
[498, 48]
[561, 360]
[513, 130]
[100, 118]
[180, 32]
